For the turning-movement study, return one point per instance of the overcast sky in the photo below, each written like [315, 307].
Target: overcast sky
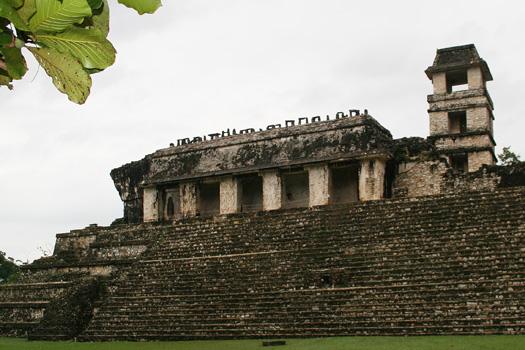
[202, 66]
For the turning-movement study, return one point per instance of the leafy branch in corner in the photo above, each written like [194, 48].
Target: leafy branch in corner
[68, 38]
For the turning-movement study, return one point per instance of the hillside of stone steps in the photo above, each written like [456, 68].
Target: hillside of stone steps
[449, 264]
[95, 252]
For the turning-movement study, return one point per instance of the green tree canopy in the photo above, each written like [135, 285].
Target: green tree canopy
[508, 157]
[9, 270]
[67, 37]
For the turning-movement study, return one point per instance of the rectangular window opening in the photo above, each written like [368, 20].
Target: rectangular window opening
[457, 122]
[457, 81]
[459, 162]
[461, 87]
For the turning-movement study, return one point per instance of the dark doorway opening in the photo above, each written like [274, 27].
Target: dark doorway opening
[345, 184]
[209, 198]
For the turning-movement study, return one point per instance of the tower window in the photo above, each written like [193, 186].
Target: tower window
[459, 162]
[457, 81]
[457, 122]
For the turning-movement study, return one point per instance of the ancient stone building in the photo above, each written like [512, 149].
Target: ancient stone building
[318, 161]
[320, 226]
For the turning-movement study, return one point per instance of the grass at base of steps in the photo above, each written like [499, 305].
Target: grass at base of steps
[482, 342]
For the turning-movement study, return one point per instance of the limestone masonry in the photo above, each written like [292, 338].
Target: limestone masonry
[321, 226]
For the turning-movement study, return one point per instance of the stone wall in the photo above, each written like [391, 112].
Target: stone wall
[419, 178]
[488, 178]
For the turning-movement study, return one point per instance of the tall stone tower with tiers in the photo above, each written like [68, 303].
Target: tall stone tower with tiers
[460, 110]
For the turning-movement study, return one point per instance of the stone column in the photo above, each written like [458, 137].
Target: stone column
[372, 179]
[475, 78]
[188, 199]
[151, 204]
[272, 190]
[229, 195]
[439, 81]
[319, 184]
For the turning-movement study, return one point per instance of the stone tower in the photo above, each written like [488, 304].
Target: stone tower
[460, 110]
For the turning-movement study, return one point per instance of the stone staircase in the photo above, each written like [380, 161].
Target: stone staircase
[102, 252]
[449, 264]
[22, 305]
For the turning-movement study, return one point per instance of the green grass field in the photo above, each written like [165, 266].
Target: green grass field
[488, 342]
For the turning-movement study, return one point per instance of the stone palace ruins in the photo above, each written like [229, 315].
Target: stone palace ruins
[320, 226]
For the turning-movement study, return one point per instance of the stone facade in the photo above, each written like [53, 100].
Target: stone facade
[313, 228]
[281, 167]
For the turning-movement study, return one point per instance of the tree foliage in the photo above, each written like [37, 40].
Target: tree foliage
[68, 38]
[9, 270]
[508, 157]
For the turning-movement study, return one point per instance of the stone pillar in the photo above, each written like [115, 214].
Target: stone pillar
[272, 190]
[229, 195]
[188, 199]
[439, 80]
[475, 78]
[151, 204]
[372, 179]
[319, 184]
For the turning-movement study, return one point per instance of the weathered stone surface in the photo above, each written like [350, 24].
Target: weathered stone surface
[341, 138]
[127, 179]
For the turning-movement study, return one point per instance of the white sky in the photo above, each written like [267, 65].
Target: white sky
[201, 66]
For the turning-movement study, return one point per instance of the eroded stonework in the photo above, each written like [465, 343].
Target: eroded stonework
[311, 228]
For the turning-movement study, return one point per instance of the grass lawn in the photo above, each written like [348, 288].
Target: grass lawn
[486, 342]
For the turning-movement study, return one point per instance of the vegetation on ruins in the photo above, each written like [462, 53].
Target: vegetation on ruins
[68, 38]
[9, 270]
[507, 157]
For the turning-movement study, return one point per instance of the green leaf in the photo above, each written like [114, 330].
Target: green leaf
[15, 62]
[90, 46]
[54, 16]
[66, 71]
[15, 3]
[5, 80]
[100, 19]
[12, 15]
[6, 37]
[4, 22]
[95, 4]
[142, 6]
[28, 10]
